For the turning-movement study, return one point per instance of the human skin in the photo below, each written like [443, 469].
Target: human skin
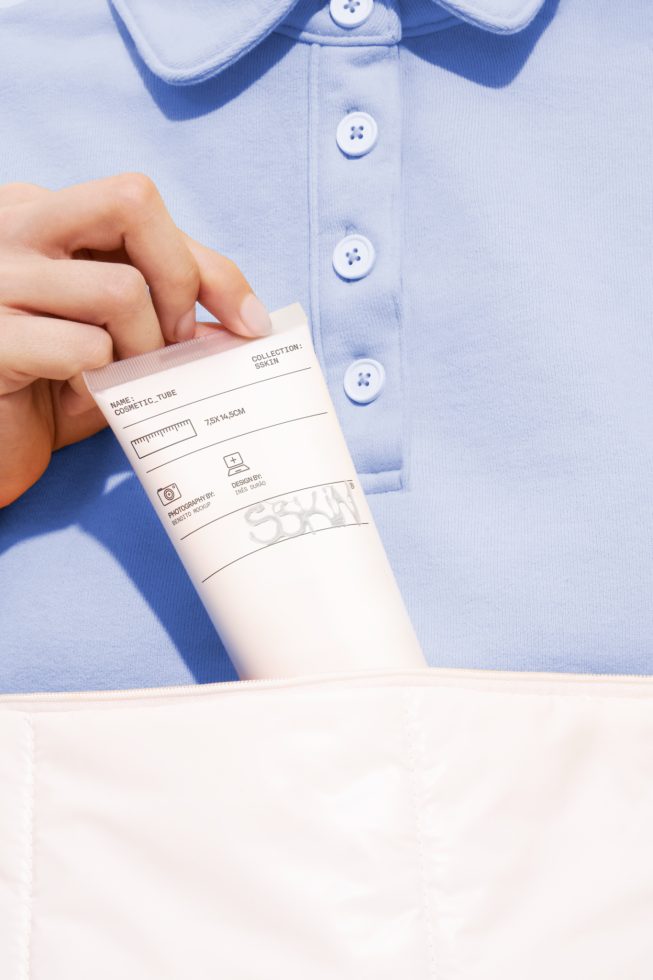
[89, 274]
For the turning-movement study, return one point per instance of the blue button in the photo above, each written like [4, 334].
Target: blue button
[364, 380]
[353, 257]
[350, 13]
[357, 133]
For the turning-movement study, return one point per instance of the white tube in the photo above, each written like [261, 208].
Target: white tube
[239, 449]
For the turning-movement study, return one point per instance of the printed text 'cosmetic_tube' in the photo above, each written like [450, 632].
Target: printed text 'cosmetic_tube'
[239, 449]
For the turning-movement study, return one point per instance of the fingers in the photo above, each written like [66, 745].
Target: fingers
[226, 293]
[103, 294]
[19, 193]
[126, 214]
[113, 212]
[45, 347]
[90, 272]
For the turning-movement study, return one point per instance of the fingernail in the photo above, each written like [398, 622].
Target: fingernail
[255, 317]
[185, 328]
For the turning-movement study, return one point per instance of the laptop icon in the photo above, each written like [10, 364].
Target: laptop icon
[234, 462]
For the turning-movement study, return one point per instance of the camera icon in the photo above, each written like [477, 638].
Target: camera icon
[169, 494]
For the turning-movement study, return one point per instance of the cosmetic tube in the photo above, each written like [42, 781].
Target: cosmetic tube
[238, 447]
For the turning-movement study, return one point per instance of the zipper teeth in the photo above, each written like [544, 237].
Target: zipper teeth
[418, 673]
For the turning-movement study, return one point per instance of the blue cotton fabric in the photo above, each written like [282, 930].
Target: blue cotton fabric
[509, 459]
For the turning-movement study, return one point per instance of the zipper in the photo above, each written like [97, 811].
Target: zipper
[421, 675]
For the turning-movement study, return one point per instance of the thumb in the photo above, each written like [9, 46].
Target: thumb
[226, 293]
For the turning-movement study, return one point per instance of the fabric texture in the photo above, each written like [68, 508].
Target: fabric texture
[452, 824]
[508, 460]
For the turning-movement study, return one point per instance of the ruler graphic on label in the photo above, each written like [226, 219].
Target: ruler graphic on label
[153, 442]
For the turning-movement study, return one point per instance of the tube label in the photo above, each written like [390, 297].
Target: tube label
[238, 449]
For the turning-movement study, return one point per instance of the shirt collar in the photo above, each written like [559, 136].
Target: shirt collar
[188, 42]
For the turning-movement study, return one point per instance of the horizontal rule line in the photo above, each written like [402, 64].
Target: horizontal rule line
[272, 543]
[217, 394]
[237, 436]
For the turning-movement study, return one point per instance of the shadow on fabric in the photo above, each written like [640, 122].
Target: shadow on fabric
[101, 495]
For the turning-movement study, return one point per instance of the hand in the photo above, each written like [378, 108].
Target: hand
[89, 274]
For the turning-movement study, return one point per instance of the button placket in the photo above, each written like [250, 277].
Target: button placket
[358, 214]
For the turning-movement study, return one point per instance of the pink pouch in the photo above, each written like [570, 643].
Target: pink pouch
[376, 825]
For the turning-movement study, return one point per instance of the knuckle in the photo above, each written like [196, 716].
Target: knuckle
[231, 269]
[7, 277]
[18, 191]
[188, 278]
[98, 351]
[135, 190]
[224, 272]
[124, 287]
[12, 225]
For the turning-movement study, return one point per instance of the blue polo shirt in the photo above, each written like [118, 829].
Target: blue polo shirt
[458, 191]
